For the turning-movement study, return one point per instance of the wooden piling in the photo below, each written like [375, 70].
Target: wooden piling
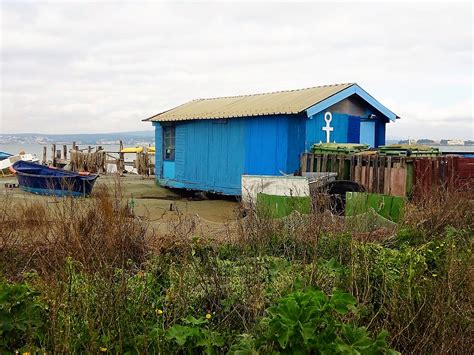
[324, 163]
[375, 174]
[304, 162]
[121, 160]
[45, 149]
[340, 168]
[53, 155]
[358, 170]
[352, 168]
[311, 163]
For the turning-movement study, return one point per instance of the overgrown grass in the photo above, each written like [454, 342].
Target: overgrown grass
[85, 275]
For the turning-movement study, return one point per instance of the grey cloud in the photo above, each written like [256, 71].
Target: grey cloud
[104, 66]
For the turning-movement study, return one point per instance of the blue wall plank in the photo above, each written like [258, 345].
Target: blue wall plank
[353, 130]
[180, 141]
[169, 169]
[266, 145]
[379, 133]
[235, 158]
[296, 141]
[158, 149]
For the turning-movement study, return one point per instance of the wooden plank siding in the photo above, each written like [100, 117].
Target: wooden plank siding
[389, 174]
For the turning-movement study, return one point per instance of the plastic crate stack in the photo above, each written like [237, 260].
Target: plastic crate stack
[405, 150]
[339, 148]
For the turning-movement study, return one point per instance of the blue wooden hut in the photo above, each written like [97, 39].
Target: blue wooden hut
[208, 144]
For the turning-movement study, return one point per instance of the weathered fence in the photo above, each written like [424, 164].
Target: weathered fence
[94, 162]
[98, 160]
[449, 172]
[393, 175]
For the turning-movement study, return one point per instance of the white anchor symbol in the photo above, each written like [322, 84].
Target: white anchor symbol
[328, 128]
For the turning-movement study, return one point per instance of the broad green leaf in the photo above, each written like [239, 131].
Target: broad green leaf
[342, 301]
[283, 335]
[307, 332]
[180, 333]
[194, 321]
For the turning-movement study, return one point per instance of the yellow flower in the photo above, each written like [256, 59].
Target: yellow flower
[25, 353]
[102, 349]
[159, 312]
[208, 316]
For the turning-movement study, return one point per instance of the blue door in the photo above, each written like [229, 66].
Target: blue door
[169, 139]
[367, 133]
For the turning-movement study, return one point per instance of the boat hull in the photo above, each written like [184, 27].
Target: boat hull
[8, 161]
[42, 180]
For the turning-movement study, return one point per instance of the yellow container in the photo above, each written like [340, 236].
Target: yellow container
[132, 150]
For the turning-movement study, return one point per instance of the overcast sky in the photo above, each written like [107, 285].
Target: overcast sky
[104, 66]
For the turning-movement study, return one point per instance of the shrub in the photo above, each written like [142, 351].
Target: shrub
[310, 321]
[195, 335]
[22, 318]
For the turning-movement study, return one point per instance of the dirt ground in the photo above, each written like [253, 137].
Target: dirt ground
[158, 205]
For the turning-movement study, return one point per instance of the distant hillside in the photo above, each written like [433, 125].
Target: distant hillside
[130, 137]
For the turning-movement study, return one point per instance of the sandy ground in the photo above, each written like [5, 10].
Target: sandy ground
[160, 206]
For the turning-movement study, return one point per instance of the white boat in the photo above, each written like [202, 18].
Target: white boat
[5, 164]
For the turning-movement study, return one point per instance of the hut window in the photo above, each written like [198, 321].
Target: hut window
[168, 142]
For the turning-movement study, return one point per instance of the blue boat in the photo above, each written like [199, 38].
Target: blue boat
[4, 155]
[43, 180]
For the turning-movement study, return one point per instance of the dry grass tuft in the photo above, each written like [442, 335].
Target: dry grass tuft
[99, 232]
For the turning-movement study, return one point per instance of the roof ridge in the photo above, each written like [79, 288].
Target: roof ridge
[272, 92]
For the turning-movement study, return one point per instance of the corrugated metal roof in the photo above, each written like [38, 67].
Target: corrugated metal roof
[281, 102]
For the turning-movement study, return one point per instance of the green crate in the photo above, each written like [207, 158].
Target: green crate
[356, 203]
[281, 206]
[338, 148]
[382, 204]
[402, 150]
[396, 211]
[390, 207]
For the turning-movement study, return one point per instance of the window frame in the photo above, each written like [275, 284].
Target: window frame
[169, 143]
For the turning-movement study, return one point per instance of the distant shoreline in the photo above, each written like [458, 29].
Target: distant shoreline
[129, 138]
